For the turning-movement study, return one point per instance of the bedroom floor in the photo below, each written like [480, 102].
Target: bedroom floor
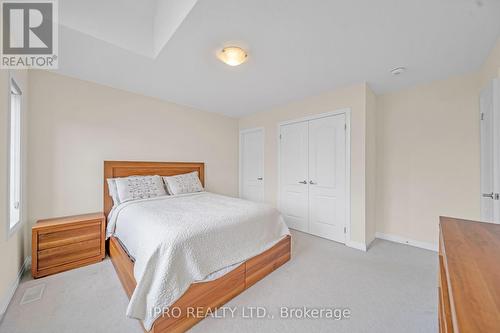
[390, 288]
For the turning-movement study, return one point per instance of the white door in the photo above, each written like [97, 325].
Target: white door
[252, 164]
[294, 164]
[490, 145]
[313, 177]
[327, 177]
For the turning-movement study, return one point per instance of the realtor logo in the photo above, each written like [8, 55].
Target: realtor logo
[29, 34]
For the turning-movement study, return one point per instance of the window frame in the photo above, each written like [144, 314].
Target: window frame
[14, 89]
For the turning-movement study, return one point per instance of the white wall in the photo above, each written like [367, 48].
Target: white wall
[428, 154]
[353, 97]
[76, 125]
[12, 248]
[427, 157]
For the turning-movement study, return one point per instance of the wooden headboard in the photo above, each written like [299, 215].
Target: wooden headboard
[114, 169]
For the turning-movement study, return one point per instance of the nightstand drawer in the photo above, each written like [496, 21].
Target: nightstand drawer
[64, 243]
[64, 237]
[68, 253]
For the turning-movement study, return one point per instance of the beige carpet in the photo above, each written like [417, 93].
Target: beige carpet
[390, 288]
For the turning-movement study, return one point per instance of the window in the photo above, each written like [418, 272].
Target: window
[14, 155]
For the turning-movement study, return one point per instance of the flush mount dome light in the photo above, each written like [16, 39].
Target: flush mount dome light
[232, 55]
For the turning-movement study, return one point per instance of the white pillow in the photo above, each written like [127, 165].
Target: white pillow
[139, 187]
[185, 183]
[113, 192]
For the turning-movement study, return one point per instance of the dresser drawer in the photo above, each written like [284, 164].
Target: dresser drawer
[68, 253]
[78, 234]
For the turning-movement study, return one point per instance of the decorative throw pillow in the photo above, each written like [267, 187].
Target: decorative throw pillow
[185, 183]
[139, 187]
[113, 192]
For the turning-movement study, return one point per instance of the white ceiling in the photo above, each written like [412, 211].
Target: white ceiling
[297, 48]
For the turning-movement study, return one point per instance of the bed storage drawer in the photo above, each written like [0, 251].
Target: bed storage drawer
[262, 265]
[201, 299]
[64, 243]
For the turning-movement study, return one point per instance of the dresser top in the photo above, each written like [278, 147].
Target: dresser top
[471, 253]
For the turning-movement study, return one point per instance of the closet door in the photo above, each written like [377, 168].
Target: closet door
[327, 177]
[294, 175]
[252, 165]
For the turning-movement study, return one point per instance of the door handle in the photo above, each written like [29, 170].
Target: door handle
[312, 183]
[303, 182]
[494, 196]
[259, 178]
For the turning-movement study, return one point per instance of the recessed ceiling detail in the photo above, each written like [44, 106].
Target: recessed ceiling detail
[143, 27]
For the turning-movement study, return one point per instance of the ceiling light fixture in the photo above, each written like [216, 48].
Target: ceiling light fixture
[398, 70]
[232, 55]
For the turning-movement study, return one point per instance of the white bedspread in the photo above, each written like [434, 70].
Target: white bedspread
[180, 239]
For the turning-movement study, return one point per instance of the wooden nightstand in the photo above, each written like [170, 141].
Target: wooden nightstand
[65, 243]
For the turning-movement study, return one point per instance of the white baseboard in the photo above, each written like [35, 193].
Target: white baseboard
[407, 241]
[356, 245]
[5, 301]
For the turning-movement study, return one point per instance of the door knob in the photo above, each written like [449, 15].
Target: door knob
[303, 182]
[312, 183]
[259, 178]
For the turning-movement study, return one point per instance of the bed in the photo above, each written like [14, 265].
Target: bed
[201, 297]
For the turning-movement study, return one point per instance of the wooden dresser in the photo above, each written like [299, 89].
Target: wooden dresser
[469, 276]
[65, 243]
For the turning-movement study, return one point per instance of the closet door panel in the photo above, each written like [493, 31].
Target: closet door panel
[294, 175]
[327, 177]
[252, 165]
